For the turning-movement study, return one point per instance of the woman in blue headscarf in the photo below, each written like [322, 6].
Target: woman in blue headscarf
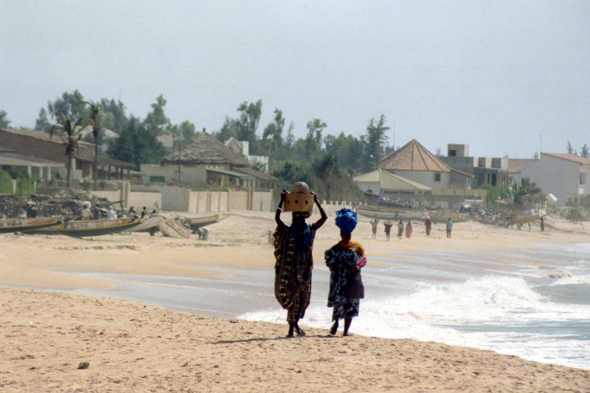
[294, 263]
[345, 261]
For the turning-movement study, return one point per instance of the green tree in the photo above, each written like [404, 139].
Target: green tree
[114, 115]
[71, 105]
[570, 149]
[536, 156]
[156, 121]
[4, 122]
[187, 130]
[525, 193]
[248, 121]
[313, 140]
[494, 193]
[136, 144]
[42, 123]
[348, 150]
[585, 152]
[376, 138]
[228, 130]
[272, 137]
[6, 185]
[72, 135]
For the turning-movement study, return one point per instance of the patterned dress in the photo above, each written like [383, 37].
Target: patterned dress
[342, 260]
[294, 263]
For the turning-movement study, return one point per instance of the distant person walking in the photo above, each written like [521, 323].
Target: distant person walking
[428, 225]
[374, 222]
[542, 225]
[387, 224]
[409, 229]
[449, 228]
[400, 229]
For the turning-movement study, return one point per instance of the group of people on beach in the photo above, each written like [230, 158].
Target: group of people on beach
[97, 213]
[409, 228]
[294, 263]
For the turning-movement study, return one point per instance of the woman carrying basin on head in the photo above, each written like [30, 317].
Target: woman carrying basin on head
[345, 261]
[293, 252]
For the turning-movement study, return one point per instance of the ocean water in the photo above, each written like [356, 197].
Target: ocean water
[532, 302]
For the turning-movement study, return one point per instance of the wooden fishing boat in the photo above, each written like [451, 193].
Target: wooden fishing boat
[172, 228]
[27, 224]
[194, 223]
[83, 228]
[148, 223]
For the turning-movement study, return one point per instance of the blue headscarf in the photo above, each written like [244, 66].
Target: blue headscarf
[346, 220]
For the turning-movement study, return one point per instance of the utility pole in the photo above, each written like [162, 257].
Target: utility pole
[540, 144]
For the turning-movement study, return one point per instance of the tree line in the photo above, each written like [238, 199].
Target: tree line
[327, 162]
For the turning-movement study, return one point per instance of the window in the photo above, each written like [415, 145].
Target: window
[582, 179]
[437, 177]
[452, 153]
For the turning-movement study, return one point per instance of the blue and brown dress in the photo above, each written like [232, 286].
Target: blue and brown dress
[294, 263]
[344, 261]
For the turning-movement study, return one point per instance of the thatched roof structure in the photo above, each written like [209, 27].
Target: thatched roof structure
[205, 149]
[413, 157]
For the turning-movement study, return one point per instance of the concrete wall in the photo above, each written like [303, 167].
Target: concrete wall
[559, 177]
[112, 196]
[175, 198]
[262, 201]
[426, 178]
[238, 200]
[194, 175]
[151, 200]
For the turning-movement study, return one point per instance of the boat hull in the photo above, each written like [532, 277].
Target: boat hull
[27, 224]
[174, 229]
[90, 227]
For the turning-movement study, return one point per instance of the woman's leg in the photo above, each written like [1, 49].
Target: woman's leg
[334, 327]
[347, 323]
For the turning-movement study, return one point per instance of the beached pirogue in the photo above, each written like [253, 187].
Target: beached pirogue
[85, 228]
[27, 224]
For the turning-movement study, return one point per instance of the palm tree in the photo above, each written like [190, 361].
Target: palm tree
[71, 142]
[94, 121]
[528, 190]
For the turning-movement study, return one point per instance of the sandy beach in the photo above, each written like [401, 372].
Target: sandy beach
[132, 346]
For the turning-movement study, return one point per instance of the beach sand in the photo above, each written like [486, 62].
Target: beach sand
[136, 347]
[132, 347]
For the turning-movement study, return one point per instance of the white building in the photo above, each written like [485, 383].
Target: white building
[563, 175]
[243, 148]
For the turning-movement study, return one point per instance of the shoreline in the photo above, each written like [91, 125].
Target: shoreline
[240, 240]
[131, 346]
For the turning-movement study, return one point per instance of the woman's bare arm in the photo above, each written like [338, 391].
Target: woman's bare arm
[324, 217]
[280, 222]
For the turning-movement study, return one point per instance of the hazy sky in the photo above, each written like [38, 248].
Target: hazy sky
[493, 74]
